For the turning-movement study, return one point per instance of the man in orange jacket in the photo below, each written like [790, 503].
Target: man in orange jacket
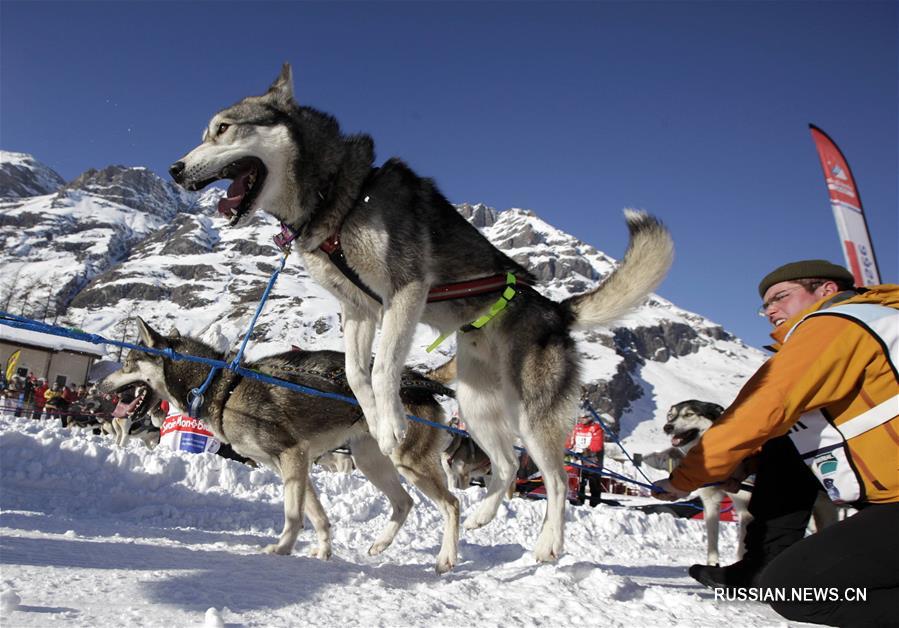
[822, 412]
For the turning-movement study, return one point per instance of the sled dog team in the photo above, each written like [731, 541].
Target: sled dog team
[394, 252]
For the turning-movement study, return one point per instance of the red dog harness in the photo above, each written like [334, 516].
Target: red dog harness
[445, 292]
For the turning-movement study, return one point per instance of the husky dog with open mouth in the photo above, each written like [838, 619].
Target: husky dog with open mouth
[287, 430]
[687, 421]
[135, 401]
[395, 253]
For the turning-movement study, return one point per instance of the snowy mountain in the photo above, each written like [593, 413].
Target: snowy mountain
[54, 243]
[122, 242]
[22, 175]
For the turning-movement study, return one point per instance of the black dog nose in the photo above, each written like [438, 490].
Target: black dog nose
[668, 428]
[177, 171]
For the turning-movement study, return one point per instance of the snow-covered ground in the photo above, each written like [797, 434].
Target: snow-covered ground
[94, 535]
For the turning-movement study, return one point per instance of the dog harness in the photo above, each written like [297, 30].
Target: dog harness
[337, 377]
[445, 292]
[498, 306]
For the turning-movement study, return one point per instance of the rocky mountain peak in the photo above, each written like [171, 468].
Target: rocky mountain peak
[21, 175]
[135, 187]
[478, 214]
[122, 241]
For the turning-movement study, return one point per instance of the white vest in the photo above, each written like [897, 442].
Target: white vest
[822, 445]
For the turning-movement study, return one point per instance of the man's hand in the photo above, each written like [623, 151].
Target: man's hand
[664, 490]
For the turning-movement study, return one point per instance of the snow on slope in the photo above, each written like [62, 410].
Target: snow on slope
[93, 535]
[121, 242]
[22, 175]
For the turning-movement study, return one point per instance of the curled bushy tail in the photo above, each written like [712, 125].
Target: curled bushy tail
[646, 262]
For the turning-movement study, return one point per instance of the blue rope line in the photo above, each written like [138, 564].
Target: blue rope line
[597, 471]
[614, 439]
[271, 282]
[195, 398]
[19, 322]
[613, 475]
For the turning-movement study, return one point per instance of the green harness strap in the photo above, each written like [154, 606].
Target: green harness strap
[495, 309]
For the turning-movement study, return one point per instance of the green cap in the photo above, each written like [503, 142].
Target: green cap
[805, 269]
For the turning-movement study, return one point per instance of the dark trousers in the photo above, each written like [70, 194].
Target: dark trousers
[781, 504]
[593, 480]
[861, 552]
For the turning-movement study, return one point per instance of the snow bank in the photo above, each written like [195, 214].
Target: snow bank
[94, 535]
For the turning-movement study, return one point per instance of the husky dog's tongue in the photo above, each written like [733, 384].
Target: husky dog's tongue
[236, 192]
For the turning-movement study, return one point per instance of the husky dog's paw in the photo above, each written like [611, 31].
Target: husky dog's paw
[274, 548]
[479, 518]
[547, 549]
[321, 552]
[377, 547]
[391, 434]
[445, 564]
[387, 444]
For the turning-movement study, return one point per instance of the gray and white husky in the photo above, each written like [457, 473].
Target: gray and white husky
[287, 430]
[395, 253]
[687, 421]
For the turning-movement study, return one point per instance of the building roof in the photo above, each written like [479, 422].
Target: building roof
[47, 341]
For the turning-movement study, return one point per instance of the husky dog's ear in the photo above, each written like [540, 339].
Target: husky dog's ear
[149, 336]
[282, 88]
[174, 333]
[711, 410]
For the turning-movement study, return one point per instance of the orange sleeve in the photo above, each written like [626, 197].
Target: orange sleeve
[821, 364]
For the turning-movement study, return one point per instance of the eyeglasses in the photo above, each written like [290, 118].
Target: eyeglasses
[777, 298]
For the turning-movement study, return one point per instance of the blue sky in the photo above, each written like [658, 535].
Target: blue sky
[695, 111]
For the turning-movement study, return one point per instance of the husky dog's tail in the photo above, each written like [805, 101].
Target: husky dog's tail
[646, 262]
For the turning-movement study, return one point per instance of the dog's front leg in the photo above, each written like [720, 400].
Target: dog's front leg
[711, 506]
[293, 465]
[401, 314]
[359, 334]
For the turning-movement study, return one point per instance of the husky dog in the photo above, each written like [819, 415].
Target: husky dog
[463, 461]
[687, 422]
[395, 252]
[126, 415]
[287, 430]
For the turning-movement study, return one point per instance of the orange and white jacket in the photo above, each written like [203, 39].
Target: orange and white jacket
[833, 386]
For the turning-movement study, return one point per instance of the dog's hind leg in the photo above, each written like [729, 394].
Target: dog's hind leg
[485, 413]
[741, 506]
[546, 445]
[293, 466]
[380, 471]
[401, 314]
[428, 476]
[547, 381]
[321, 524]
